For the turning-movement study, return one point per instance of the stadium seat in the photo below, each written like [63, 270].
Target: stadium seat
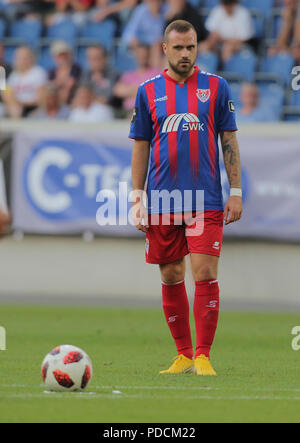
[45, 58]
[274, 25]
[9, 52]
[273, 97]
[65, 30]
[208, 62]
[101, 33]
[235, 88]
[123, 59]
[280, 64]
[291, 114]
[210, 3]
[295, 98]
[81, 56]
[244, 64]
[264, 6]
[4, 6]
[2, 28]
[195, 3]
[28, 31]
[259, 23]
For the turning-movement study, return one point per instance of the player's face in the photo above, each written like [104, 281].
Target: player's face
[181, 51]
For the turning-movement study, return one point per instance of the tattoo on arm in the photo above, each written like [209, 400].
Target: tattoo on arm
[231, 156]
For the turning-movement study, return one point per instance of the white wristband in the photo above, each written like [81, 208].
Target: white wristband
[236, 192]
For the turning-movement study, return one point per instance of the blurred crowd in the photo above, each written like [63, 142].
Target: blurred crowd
[88, 76]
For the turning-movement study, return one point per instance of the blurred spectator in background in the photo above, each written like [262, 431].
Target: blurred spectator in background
[146, 27]
[100, 75]
[49, 105]
[230, 26]
[106, 8]
[15, 9]
[77, 10]
[183, 10]
[7, 70]
[297, 25]
[5, 220]
[251, 109]
[296, 52]
[66, 73]
[127, 86]
[23, 84]
[86, 109]
[290, 27]
[3, 63]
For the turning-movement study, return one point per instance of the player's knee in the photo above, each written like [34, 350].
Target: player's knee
[172, 273]
[205, 272]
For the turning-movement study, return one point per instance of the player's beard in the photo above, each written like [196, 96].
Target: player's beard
[182, 69]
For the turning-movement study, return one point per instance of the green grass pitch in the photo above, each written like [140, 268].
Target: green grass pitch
[258, 372]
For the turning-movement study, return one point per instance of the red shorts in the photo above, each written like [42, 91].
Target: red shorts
[172, 236]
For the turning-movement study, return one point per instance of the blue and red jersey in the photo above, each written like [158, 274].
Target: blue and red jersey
[182, 122]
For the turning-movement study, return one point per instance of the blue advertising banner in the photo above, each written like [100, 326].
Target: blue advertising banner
[72, 183]
[56, 183]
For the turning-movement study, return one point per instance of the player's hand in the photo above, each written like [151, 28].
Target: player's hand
[140, 218]
[5, 220]
[233, 210]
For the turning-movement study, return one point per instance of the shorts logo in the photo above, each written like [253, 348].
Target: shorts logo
[216, 245]
[172, 122]
[172, 318]
[212, 304]
[147, 246]
[203, 95]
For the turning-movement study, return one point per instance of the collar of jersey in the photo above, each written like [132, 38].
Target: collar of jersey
[167, 77]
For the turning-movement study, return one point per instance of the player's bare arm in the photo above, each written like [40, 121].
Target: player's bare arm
[231, 154]
[139, 168]
[4, 221]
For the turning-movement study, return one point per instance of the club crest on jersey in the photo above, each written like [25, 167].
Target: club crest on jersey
[203, 95]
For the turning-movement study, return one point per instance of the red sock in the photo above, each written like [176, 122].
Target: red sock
[176, 309]
[206, 313]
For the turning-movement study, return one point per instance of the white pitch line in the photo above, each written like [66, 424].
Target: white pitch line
[201, 388]
[143, 397]
[175, 388]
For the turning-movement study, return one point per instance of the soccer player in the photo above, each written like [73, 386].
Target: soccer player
[177, 119]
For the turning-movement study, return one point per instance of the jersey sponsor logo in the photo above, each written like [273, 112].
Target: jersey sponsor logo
[203, 95]
[161, 99]
[172, 122]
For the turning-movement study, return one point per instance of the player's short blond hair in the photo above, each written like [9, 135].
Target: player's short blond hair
[181, 26]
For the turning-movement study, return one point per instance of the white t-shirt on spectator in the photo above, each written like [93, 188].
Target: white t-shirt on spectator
[237, 26]
[25, 85]
[96, 113]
